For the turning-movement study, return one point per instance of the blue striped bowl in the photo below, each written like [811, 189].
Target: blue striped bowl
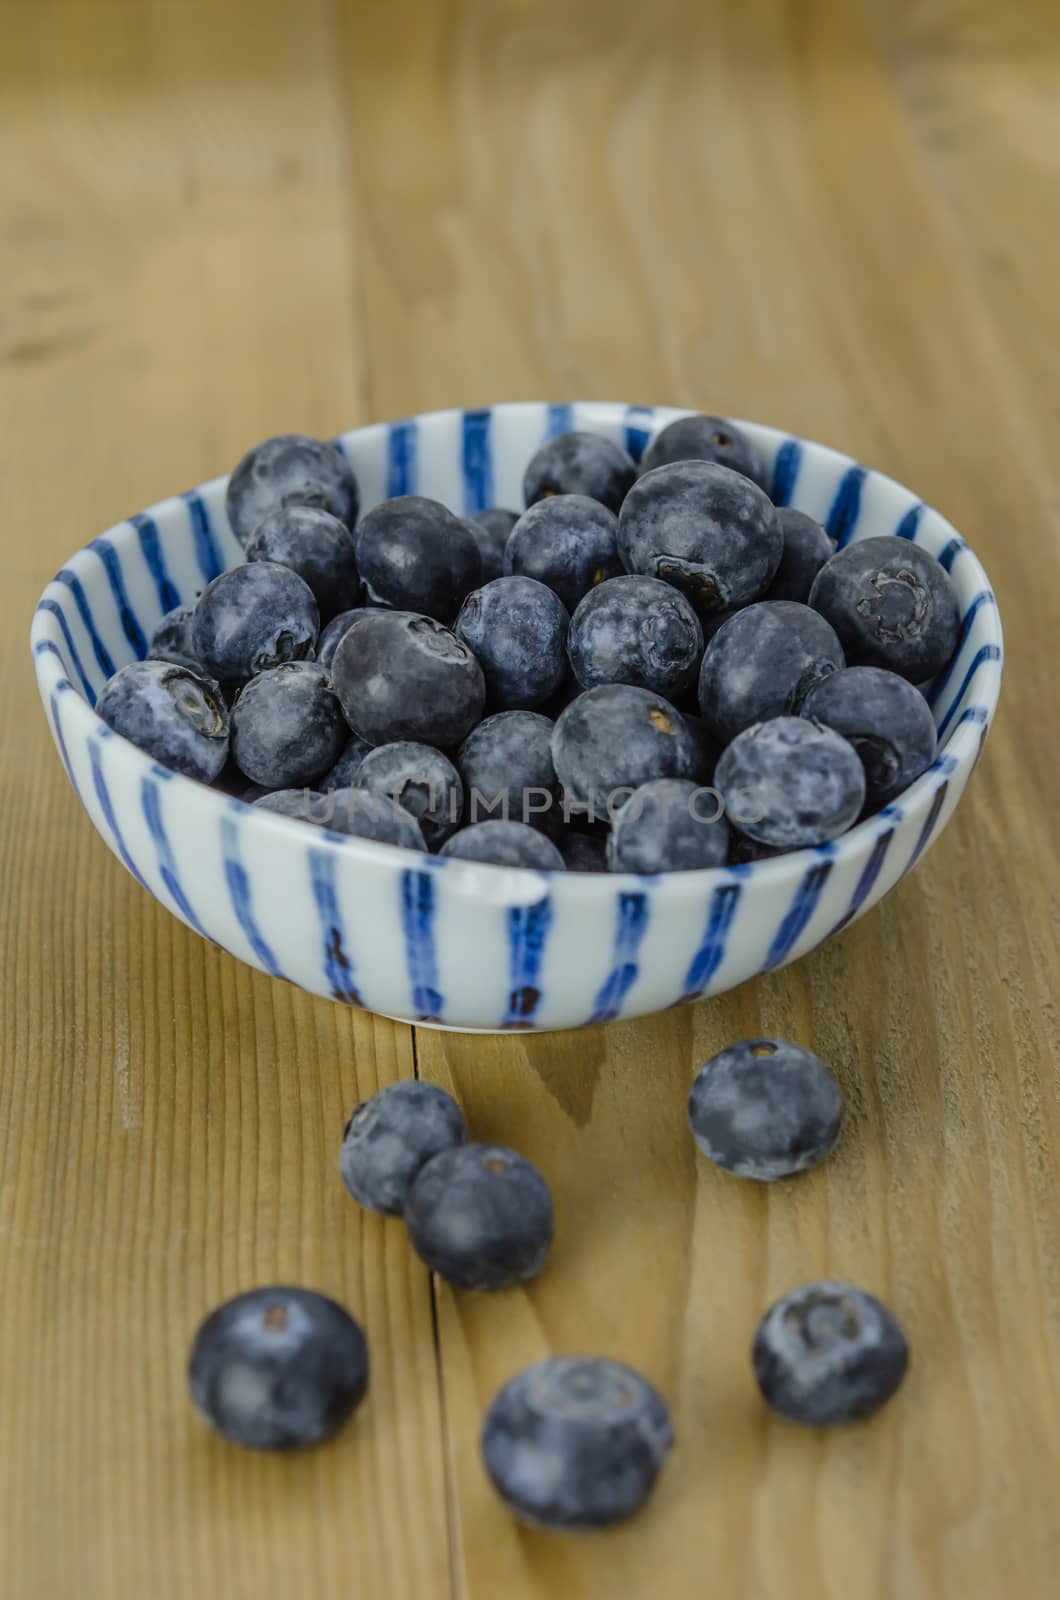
[449, 942]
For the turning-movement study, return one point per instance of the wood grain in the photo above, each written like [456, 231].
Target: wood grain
[216, 222]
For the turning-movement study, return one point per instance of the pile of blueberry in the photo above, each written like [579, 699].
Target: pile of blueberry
[575, 1441]
[645, 671]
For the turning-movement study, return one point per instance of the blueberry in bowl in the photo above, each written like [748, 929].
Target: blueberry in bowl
[377, 908]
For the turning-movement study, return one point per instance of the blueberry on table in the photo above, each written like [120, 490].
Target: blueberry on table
[517, 629]
[343, 775]
[765, 1109]
[278, 1368]
[668, 825]
[885, 718]
[403, 676]
[287, 726]
[579, 463]
[576, 1442]
[806, 549]
[566, 542]
[707, 530]
[333, 633]
[421, 780]
[706, 438]
[504, 844]
[317, 546]
[829, 1353]
[175, 714]
[490, 530]
[254, 617]
[762, 664]
[413, 554]
[617, 737]
[583, 852]
[791, 783]
[172, 641]
[506, 765]
[389, 1137]
[635, 630]
[290, 469]
[480, 1216]
[892, 605]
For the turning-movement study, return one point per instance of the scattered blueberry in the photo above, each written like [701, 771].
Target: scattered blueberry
[490, 530]
[290, 469]
[402, 676]
[287, 726]
[479, 1215]
[892, 606]
[254, 617]
[317, 546]
[635, 630]
[506, 765]
[762, 664]
[706, 529]
[421, 780]
[806, 549]
[584, 852]
[705, 438]
[505, 844]
[791, 783]
[885, 718]
[566, 542]
[765, 1109]
[576, 1442]
[343, 775]
[829, 1353]
[175, 714]
[389, 1137]
[333, 634]
[172, 641]
[617, 737]
[518, 630]
[278, 1368]
[668, 825]
[415, 555]
[579, 463]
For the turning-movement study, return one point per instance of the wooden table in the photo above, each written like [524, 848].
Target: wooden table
[224, 220]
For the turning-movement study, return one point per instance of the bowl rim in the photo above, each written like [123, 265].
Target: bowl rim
[960, 749]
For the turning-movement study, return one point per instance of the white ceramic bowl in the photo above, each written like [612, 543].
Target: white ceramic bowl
[454, 943]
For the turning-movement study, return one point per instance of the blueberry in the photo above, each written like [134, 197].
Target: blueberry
[175, 714]
[343, 775]
[479, 1215]
[415, 555]
[254, 617]
[505, 844]
[765, 1109]
[317, 546]
[635, 630]
[306, 805]
[791, 783]
[668, 825]
[389, 1137]
[506, 765]
[518, 630]
[703, 528]
[762, 664]
[705, 438]
[364, 815]
[829, 1353]
[892, 606]
[806, 549]
[579, 463]
[566, 542]
[885, 718]
[584, 852]
[287, 726]
[278, 1368]
[707, 748]
[490, 530]
[172, 641]
[743, 851]
[402, 676]
[614, 738]
[576, 1442]
[333, 634]
[421, 780]
[290, 469]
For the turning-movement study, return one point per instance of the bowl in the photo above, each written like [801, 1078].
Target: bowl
[456, 944]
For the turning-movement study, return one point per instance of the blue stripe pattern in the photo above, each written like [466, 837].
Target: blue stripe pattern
[59, 736]
[560, 419]
[151, 545]
[401, 459]
[151, 804]
[239, 894]
[107, 807]
[338, 966]
[417, 917]
[983, 598]
[949, 553]
[930, 820]
[711, 952]
[55, 609]
[639, 420]
[207, 553]
[799, 912]
[477, 453]
[907, 528]
[99, 649]
[528, 928]
[632, 926]
[842, 518]
[116, 578]
[786, 470]
[869, 873]
[986, 652]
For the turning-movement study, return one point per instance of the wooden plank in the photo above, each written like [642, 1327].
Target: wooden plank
[727, 206]
[179, 280]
